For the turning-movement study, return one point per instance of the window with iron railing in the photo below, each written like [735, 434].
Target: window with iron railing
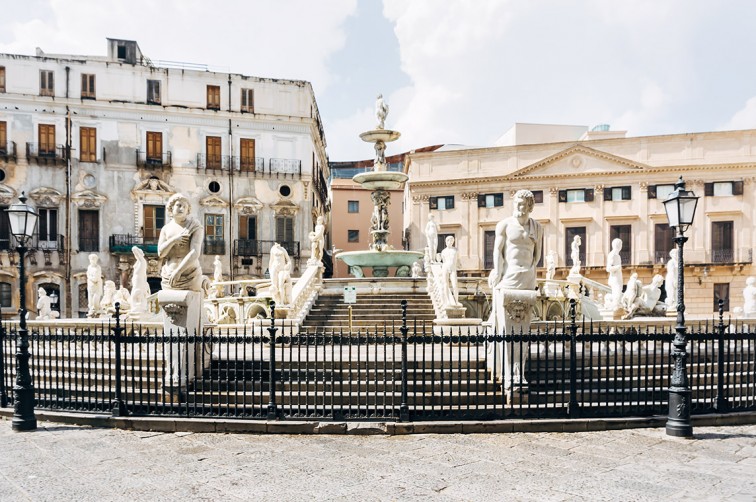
[722, 242]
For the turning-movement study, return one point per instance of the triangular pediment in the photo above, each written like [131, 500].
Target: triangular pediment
[88, 199]
[46, 197]
[213, 201]
[248, 205]
[579, 160]
[7, 194]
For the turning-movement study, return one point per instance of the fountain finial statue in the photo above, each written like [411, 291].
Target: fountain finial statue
[381, 111]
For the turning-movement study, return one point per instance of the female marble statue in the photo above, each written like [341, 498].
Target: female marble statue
[381, 111]
[279, 268]
[431, 237]
[450, 263]
[94, 285]
[317, 241]
[575, 255]
[614, 268]
[140, 288]
[670, 281]
[179, 247]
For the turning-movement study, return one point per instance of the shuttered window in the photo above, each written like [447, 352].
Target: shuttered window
[2, 78]
[663, 242]
[5, 234]
[441, 203]
[248, 100]
[46, 83]
[48, 225]
[46, 140]
[491, 200]
[87, 86]
[213, 97]
[248, 227]
[153, 92]
[213, 149]
[3, 137]
[154, 220]
[247, 154]
[722, 242]
[154, 147]
[617, 193]
[89, 230]
[489, 236]
[6, 295]
[723, 188]
[88, 144]
[284, 229]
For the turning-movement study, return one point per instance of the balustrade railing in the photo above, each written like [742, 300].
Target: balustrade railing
[46, 153]
[215, 245]
[8, 150]
[153, 160]
[256, 247]
[122, 244]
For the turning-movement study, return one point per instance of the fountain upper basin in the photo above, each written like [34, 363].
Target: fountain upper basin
[381, 180]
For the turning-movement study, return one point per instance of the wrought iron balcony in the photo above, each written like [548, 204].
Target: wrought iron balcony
[46, 154]
[249, 164]
[213, 162]
[122, 244]
[47, 243]
[8, 151]
[626, 257]
[285, 166]
[215, 245]
[153, 160]
[255, 247]
[741, 255]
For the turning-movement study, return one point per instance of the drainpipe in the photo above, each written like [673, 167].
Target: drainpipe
[67, 245]
[230, 188]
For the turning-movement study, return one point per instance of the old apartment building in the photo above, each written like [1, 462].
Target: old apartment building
[599, 185]
[99, 144]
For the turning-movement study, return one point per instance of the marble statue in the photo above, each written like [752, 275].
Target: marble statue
[641, 300]
[417, 269]
[517, 250]
[317, 242]
[108, 294]
[44, 306]
[94, 285]
[749, 297]
[213, 289]
[123, 297]
[614, 268]
[179, 247]
[279, 268]
[379, 164]
[670, 281]
[431, 237]
[140, 288]
[449, 265]
[381, 111]
[575, 255]
[217, 269]
[550, 288]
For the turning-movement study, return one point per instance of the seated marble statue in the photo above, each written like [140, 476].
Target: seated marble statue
[640, 300]
[122, 297]
[44, 306]
[179, 247]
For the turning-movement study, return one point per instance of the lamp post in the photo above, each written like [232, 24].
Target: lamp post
[680, 206]
[23, 220]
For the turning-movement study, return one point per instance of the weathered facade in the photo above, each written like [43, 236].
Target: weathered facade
[99, 144]
[600, 185]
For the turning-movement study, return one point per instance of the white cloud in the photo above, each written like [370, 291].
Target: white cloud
[745, 118]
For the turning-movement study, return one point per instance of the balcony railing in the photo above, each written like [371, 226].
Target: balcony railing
[626, 257]
[89, 244]
[249, 164]
[47, 154]
[661, 256]
[8, 151]
[742, 255]
[285, 166]
[215, 245]
[122, 244]
[47, 243]
[213, 162]
[153, 160]
[255, 247]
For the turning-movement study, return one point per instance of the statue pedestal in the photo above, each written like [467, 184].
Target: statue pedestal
[182, 318]
[455, 311]
[282, 312]
[574, 277]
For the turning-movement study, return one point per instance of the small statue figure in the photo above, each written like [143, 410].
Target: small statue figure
[140, 288]
[217, 269]
[614, 268]
[94, 285]
[44, 306]
[450, 263]
[123, 297]
[317, 242]
[643, 300]
[381, 111]
[179, 247]
[279, 268]
[575, 255]
[380, 156]
[670, 281]
[749, 297]
[417, 269]
[108, 296]
[431, 237]
[551, 260]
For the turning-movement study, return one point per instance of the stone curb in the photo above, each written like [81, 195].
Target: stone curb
[171, 424]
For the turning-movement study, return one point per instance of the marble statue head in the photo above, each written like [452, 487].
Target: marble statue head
[616, 244]
[524, 202]
[176, 198]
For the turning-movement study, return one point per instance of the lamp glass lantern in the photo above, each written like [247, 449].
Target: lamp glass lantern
[680, 206]
[22, 219]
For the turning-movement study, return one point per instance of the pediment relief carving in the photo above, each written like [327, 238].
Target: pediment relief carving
[248, 205]
[46, 197]
[579, 160]
[285, 208]
[88, 199]
[152, 188]
[213, 201]
[7, 194]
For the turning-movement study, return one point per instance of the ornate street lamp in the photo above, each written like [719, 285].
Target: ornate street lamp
[680, 206]
[23, 220]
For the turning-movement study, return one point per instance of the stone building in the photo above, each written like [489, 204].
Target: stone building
[601, 185]
[99, 144]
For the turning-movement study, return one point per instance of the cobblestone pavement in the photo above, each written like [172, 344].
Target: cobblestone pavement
[61, 462]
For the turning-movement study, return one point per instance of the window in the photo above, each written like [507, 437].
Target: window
[353, 206]
[664, 242]
[5, 234]
[353, 235]
[722, 242]
[213, 149]
[154, 219]
[442, 203]
[247, 154]
[121, 51]
[284, 229]
[48, 225]
[248, 100]
[214, 187]
[538, 196]
[88, 144]
[6, 295]
[46, 140]
[248, 227]
[2, 78]
[576, 195]
[623, 233]
[213, 97]
[489, 236]
[571, 232]
[722, 292]
[89, 230]
[660, 191]
[87, 86]
[491, 200]
[723, 188]
[46, 83]
[153, 92]
[214, 242]
[154, 147]
[3, 137]
[617, 193]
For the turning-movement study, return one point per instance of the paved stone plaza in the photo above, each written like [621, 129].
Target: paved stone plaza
[62, 462]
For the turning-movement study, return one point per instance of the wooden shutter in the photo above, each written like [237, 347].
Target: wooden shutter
[284, 229]
[489, 236]
[155, 146]
[708, 189]
[89, 230]
[88, 144]
[498, 199]
[589, 194]
[433, 202]
[651, 191]
[607, 193]
[2, 78]
[562, 195]
[213, 149]
[481, 200]
[247, 100]
[450, 202]
[737, 186]
[154, 219]
[247, 154]
[213, 97]
[626, 194]
[87, 85]
[4, 136]
[46, 139]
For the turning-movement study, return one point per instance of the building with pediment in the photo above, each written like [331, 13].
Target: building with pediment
[599, 185]
[99, 144]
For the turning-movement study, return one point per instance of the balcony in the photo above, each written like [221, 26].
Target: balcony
[214, 162]
[249, 164]
[254, 247]
[8, 151]
[742, 255]
[152, 161]
[215, 245]
[46, 154]
[285, 166]
[122, 244]
[47, 243]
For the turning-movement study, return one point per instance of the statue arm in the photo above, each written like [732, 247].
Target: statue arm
[498, 255]
[539, 239]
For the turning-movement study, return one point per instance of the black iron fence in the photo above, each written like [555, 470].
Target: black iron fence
[403, 371]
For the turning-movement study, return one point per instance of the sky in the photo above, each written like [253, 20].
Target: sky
[452, 71]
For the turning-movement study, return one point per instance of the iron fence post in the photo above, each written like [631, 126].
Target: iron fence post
[3, 394]
[119, 406]
[721, 404]
[573, 409]
[272, 408]
[403, 407]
